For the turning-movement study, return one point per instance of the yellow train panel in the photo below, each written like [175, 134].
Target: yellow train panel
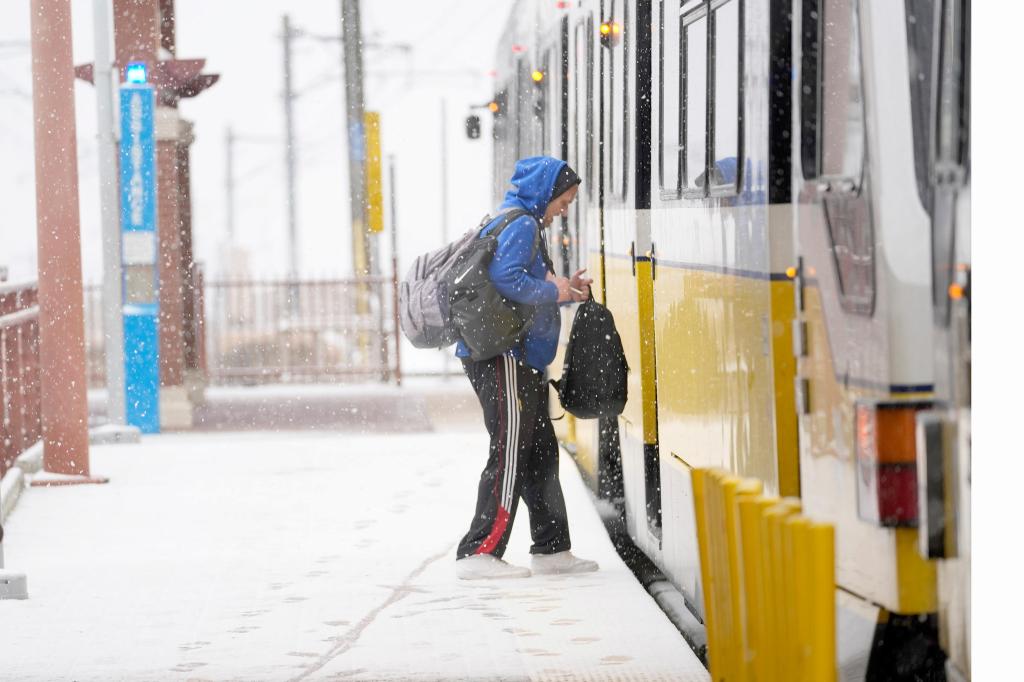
[714, 371]
[622, 300]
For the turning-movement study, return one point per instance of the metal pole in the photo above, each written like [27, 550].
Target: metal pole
[352, 55]
[394, 270]
[229, 185]
[444, 199]
[289, 125]
[59, 252]
[113, 331]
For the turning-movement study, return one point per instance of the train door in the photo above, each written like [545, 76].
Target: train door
[581, 235]
[626, 263]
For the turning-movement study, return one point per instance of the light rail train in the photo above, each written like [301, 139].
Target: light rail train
[775, 207]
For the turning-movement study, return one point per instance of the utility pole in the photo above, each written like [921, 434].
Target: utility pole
[394, 269]
[352, 56]
[229, 184]
[289, 146]
[113, 331]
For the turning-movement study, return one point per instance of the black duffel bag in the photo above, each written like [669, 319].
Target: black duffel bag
[595, 373]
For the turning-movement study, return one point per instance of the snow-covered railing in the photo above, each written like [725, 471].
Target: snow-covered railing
[269, 331]
[20, 407]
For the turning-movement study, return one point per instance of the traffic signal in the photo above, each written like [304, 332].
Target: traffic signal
[473, 127]
[611, 33]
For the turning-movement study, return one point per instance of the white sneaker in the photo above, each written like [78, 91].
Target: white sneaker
[561, 562]
[487, 566]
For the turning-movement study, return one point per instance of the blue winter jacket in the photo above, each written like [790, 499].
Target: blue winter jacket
[514, 275]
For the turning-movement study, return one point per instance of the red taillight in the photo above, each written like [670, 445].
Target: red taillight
[887, 462]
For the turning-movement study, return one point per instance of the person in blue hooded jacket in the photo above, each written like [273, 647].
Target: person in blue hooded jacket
[513, 392]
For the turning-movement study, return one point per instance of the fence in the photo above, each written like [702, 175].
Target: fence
[20, 397]
[281, 331]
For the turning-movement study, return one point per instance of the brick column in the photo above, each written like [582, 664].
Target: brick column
[175, 408]
[61, 323]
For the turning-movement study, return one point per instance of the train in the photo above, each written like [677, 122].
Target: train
[775, 206]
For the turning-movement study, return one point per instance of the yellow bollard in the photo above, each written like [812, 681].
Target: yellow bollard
[821, 665]
[733, 492]
[795, 536]
[755, 557]
[776, 598]
[722, 658]
[701, 480]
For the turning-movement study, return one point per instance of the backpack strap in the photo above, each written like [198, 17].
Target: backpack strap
[510, 215]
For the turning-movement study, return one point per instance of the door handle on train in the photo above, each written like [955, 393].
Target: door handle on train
[632, 257]
[654, 264]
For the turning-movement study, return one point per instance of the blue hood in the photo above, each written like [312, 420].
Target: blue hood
[532, 184]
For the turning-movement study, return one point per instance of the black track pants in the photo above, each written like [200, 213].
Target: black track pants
[523, 460]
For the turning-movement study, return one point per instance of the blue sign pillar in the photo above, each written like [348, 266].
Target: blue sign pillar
[139, 249]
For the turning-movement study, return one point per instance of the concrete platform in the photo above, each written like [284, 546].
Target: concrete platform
[320, 556]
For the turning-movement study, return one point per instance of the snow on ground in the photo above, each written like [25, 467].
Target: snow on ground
[320, 556]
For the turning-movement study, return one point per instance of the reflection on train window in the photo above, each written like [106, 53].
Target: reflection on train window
[695, 104]
[726, 94]
[619, 100]
[669, 112]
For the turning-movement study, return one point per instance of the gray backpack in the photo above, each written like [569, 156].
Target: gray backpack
[448, 294]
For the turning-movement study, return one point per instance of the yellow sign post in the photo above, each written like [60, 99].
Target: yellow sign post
[374, 173]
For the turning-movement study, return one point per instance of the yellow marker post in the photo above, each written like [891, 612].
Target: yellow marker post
[755, 553]
[795, 537]
[776, 597]
[374, 173]
[702, 482]
[734, 492]
[821, 665]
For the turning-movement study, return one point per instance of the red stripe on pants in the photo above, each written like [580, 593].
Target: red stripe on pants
[491, 541]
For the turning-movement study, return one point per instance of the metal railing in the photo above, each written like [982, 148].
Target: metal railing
[280, 331]
[20, 396]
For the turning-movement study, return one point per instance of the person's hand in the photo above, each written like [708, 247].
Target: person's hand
[581, 285]
[564, 294]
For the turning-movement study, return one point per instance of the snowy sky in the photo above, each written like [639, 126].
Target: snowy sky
[453, 50]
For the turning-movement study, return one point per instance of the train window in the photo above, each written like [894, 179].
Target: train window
[585, 89]
[523, 85]
[726, 138]
[670, 122]
[922, 28]
[842, 107]
[810, 68]
[544, 105]
[695, 103]
[619, 100]
[951, 145]
[832, 116]
[500, 134]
